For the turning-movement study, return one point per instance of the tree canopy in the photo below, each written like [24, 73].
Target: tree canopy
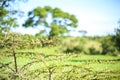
[58, 23]
[6, 20]
[7, 14]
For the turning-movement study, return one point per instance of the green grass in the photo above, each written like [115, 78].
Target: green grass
[45, 50]
[100, 64]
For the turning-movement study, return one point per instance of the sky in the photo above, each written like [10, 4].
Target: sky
[97, 17]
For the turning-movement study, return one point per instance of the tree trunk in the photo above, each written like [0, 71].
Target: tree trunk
[50, 74]
[15, 61]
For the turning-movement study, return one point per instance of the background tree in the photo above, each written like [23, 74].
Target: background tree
[117, 36]
[108, 45]
[8, 10]
[6, 23]
[59, 23]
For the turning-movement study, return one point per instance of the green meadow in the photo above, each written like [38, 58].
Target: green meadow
[47, 63]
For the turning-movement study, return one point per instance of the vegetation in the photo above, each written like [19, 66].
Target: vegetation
[117, 36]
[36, 65]
[54, 56]
[53, 62]
[60, 20]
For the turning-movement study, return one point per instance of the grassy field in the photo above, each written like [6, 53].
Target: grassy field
[46, 63]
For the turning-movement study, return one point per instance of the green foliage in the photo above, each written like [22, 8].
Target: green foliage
[117, 36]
[6, 20]
[57, 13]
[40, 12]
[3, 12]
[80, 45]
[54, 30]
[48, 8]
[84, 45]
[92, 47]
[93, 51]
[2, 41]
[29, 22]
[57, 30]
[40, 34]
[59, 22]
[108, 46]
[74, 49]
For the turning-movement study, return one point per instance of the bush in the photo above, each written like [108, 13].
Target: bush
[92, 47]
[74, 49]
[72, 45]
[93, 51]
[108, 46]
